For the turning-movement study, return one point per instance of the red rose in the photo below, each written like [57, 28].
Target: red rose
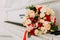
[34, 21]
[39, 24]
[31, 18]
[48, 18]
[54, 21]
[33, 25]
[29, 24]
[32, 32]
[39, 9]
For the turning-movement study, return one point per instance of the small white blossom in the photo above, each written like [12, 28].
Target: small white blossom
[47, 26]
[36, 32]
[52, 13]
[28, 21]
[43, 29]
[45, 23]
[52, 18]
[43, 9]
[42, 15]
[31, 13]
[29, 28]
[36, 24]
[41, 20]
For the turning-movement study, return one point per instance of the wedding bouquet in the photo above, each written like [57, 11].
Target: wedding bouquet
[40, 20]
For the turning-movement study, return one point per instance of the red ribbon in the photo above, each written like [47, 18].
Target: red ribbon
[25, 34]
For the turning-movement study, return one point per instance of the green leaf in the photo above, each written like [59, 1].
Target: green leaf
[31, 8]
[36, 17]
[55, 28]
[29, 35]
[15, 23]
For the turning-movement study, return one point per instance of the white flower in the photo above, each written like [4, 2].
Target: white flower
[47, 27]
[52, 18]
[43, 29]
[28, 21]
[36, 32]
[36, 24]
[31, 13]
[48, 13]
[40, 33]
[29, 28]
[41, 20]
[52, 13]
[45, 23]
[42, 15]
[43, 9]
[44, 18]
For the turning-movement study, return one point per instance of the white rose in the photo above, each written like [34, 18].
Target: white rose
[29, 28]
[43, 29]
[40, 33]
[28, 21]
[36, 24]
[52, 13]
[47, 26]
[48, 13]
[43, 9]
[42, 15]
[45, 23]
[41, 20]
[31, 13]
[52, 18]
[44, 18]
[36, 32]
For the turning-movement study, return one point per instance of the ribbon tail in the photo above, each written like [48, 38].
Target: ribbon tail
[25, 34]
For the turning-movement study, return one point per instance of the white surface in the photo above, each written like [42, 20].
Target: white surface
[18, 4]
[14, 15]
[5, 34]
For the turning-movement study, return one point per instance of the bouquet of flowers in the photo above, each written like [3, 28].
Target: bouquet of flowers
[40, 20]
